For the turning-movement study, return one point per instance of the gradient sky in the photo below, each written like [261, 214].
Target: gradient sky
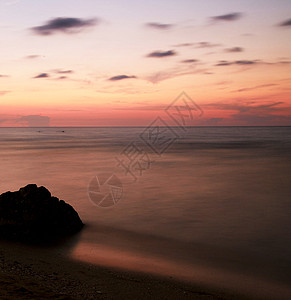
[121, 62]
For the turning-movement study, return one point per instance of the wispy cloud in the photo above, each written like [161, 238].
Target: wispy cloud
[198, 45]
[284, 62]
[159, 26]
[206, 45]
[234, 49]
[64, 25]
[227, 17]
[262, 119]
[160, 54]
[222, 63]
[252, 113]
[286, 23]
[129, 90]
[242, 108]
[35, 120]
[184, 45]
[25, 120]
[181, 70]
[42, 75]
[63, 71]
[3, 76]
[273, 113]
[142, 108]
[34, 56]
[121, 77]
[256, 87]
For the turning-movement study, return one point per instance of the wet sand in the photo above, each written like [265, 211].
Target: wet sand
[40, 273]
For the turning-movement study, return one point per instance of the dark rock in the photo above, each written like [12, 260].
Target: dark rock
[33, 215]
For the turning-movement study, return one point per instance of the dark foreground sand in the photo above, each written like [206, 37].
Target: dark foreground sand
[39, 273]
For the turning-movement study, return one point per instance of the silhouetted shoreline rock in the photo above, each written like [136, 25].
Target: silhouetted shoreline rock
[33, 215]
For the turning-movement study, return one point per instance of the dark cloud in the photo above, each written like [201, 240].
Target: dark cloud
[162, 53]
[237, 62]
[189, 61]
[227, 17]
[251, 62]
[64, 25]
[63, 74]
[42, 75]
[285, 23]
[159, 26]
[245, 62]
[120, 77]
[234, 49]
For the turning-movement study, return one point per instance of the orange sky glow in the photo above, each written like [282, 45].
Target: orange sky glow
[121, 63]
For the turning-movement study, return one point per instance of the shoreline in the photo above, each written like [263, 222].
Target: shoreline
[39, 273]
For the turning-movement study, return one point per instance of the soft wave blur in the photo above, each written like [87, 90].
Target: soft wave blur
[223, 190]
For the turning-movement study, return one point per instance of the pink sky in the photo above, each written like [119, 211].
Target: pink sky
[95, 63]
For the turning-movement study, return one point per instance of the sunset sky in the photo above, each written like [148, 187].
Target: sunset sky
[121, 62]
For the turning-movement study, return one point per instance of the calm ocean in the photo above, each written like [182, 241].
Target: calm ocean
[211, 205]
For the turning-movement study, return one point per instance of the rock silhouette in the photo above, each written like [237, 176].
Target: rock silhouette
[33, 215]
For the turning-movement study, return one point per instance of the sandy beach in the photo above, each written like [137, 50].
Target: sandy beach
[39, 273]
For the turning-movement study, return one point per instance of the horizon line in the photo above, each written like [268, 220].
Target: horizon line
[145, 126]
